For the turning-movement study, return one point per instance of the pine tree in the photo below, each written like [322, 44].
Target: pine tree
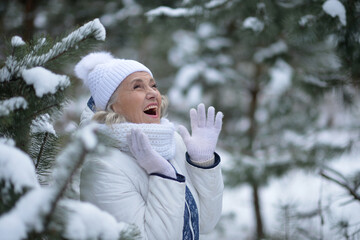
[30, 97]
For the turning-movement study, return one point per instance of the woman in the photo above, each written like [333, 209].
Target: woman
[169, 186]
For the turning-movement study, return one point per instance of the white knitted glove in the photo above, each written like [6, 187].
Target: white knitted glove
[150, 160]
[205, 132]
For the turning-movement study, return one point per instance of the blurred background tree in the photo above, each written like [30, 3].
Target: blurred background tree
[284, 72]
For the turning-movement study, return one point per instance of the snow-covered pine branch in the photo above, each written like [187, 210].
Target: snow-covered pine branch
[17, 169]
[27, 216]
[14, 68]
[38, 211]
[12, 104]
[44, 81]
[91, 29]
[171, 12]
[84, 220]
[71, 159]
[184, 12]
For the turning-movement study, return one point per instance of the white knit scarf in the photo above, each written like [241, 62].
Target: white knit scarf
[161, 136]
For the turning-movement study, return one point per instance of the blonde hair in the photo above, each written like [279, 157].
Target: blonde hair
[108, 116]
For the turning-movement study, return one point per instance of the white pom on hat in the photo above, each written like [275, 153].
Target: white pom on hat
[102, 74]
[88, 63]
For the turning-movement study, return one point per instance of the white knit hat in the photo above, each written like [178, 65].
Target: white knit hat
[102, 74]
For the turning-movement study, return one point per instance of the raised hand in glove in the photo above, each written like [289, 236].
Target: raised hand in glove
[150, 160]
[201, 143]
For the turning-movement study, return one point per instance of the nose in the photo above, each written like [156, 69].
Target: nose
[151, 93]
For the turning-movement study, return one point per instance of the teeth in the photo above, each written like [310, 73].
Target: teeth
[150, 107]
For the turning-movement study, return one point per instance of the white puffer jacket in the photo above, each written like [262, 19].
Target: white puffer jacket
[118, 185]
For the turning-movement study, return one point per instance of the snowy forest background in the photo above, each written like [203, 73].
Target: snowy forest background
[285, 73]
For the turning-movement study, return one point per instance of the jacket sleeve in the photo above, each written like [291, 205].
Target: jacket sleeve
[209, 184]
[159, 215]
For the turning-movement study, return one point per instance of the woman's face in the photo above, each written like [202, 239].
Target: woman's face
[138, 99]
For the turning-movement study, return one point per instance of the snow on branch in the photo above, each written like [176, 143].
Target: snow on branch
[36, 210]
[85, 221]
[71, 159]
[7, 141]
[171, 12]
[12, 104]
[16, 168]
[184, 12]
[11, 68]
[254, 24]
[44, 81]
[215, 4]
[42, 125]
[335, 8]
[336, 177]
[274, 49]
[14, 68]
[27, 216]
[17, 41]
[91, 29]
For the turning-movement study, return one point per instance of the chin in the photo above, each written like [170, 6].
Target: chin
[151, 118]
[154, 121]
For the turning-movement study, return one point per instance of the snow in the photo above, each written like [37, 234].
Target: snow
[186, 46]
[217, 43]
[194, 95]
[302, 191]
[280, 78]
[206, 30]
[41, 20]
[91, 29]
[7, 141]
[335, 9]
[172, 12]
[185, 77]
[12, 227]
[213, 75]
[70, 159]
[17, 41]
[17, 168]
[86, 221]
[274, 49]
[306, 20]
[215, 3]
[4, 74]
[254, 24]
[42, 125]
[130, 9]
[88, 136]
[27, 215]
[12, 104]
[334, 138]
[45, 81]
[97, 27]
[315, 81]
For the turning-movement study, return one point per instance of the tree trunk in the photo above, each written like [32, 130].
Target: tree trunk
[29, 16]
[257, 209]
[254, 91]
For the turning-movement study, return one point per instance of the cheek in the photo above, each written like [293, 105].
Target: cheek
[130, 104]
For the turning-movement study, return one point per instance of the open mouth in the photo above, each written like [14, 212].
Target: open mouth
[151, 110]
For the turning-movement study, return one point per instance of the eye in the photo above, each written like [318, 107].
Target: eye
[154, 85]
[136, 86]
